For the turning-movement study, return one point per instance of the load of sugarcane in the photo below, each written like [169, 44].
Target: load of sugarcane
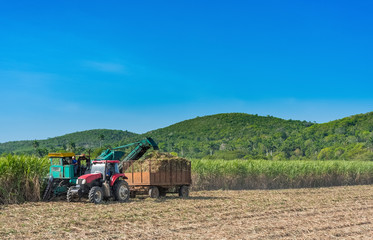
[158, 161]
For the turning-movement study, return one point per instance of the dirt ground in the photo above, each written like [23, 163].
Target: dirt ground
[323, 213]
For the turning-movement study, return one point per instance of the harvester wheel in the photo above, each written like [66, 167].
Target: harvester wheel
[154, 192]
[96, 195]
[47, 193]
[69, 195]
[184, 191]
[48, 190]
[121, 191]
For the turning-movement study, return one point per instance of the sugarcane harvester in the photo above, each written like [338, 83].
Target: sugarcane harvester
[106, 179]
[64, 170]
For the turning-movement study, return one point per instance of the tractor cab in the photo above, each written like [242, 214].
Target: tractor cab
[111, 167]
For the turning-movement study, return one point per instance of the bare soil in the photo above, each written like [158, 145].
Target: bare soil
[323, 213]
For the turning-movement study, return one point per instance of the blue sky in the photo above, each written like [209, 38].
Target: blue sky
[140, 65]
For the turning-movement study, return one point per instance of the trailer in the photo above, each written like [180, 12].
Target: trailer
[157, 178]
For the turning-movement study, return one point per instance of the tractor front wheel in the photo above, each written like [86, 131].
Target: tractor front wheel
[121, 191]
[96, 195]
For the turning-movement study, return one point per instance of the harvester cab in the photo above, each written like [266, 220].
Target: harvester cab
[105, 179]
[64, 171]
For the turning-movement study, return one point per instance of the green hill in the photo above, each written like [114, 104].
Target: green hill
[234, 135]
[347, 138]
[239, 135]
[78, 141]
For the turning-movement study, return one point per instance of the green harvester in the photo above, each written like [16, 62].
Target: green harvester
[63, 173]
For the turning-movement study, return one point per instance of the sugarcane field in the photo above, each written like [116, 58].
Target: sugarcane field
[186, 120]
[165, 198]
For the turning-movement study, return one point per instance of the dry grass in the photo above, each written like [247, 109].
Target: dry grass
[324, 213]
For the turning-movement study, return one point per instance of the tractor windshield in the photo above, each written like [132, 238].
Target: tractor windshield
[113, 168]
[98, 168]
[116, 168]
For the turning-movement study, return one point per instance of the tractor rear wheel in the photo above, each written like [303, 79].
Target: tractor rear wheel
[96, 195]
[154, 192]
[121, 191]
[184, 191]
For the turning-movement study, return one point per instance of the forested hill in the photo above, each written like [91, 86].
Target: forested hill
[347, 138]
[78, 141]
[239, 135]
[232, 135]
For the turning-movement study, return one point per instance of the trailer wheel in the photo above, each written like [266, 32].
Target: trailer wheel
[162, 192]
[96, 195]
[184, 191]
[154, 192]
[121, 191]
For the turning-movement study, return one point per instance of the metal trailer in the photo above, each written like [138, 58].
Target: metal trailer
[170, 177]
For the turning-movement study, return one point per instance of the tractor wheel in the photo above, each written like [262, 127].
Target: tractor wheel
[154, 192]
[121, 191]
[96, 195]
[184, 191]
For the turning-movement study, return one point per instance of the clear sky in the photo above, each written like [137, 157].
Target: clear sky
[69, 66]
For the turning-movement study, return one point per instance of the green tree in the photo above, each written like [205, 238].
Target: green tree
[326, 154]
[72, 146]
[35, 144]
[101, 138]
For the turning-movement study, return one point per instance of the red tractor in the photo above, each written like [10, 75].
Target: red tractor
[105, 179]
[104, 182]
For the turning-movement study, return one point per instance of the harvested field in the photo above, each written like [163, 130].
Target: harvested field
[322, 213]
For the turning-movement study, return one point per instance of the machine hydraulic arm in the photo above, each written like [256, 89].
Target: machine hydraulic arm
[140, 149]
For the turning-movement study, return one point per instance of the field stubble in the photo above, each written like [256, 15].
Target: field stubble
[323, 213]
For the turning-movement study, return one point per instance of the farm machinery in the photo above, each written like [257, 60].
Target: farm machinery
[63, 172]
[105, 179]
